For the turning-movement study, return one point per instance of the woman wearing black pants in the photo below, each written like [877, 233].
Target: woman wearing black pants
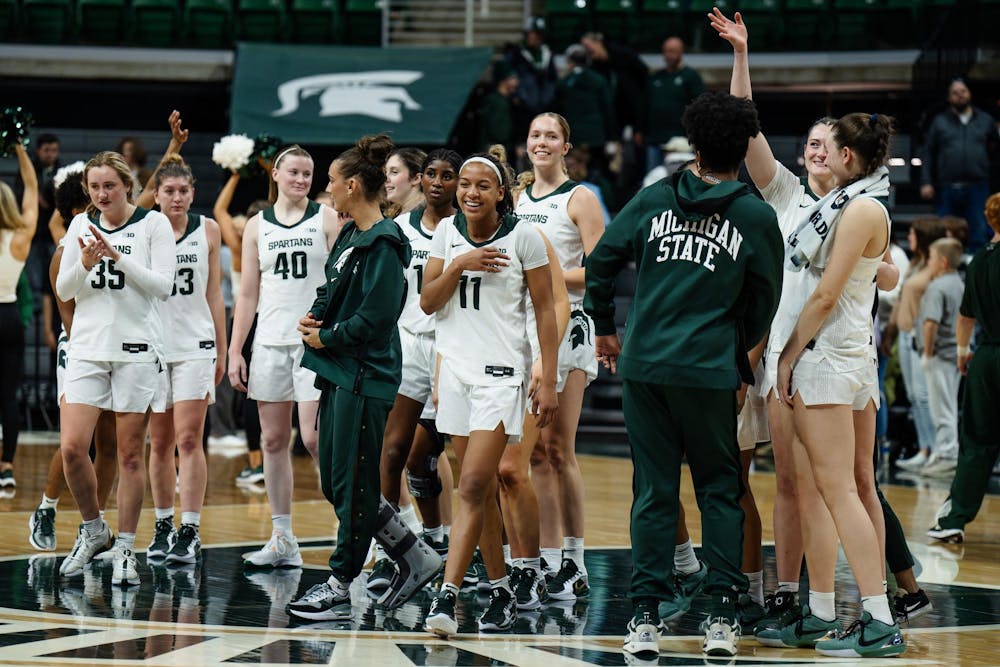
[17, 228]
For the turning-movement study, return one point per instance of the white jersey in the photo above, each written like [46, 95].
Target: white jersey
[117, 317]
[186, 317]
[413, 319]
[846, 337]
[790, 197]
[292, 259]
[480, 330]
[551, 214]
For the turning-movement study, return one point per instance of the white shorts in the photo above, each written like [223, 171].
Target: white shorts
[62, 359]
[463, 408]
[816, 381]
[419, 361]
[751, 423]
[276, 376]
[119, 386]
[190, 380]
[576, 349]
[768, 380]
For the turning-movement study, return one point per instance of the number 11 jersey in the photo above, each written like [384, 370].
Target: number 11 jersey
[292, 259]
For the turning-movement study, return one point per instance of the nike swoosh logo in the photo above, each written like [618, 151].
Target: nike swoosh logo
[457, 245]
[877, 640]
[268, 233]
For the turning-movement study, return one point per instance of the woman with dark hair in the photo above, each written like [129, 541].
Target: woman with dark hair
[828, 375]
[352, 344]
[708, 256]
[483, 265]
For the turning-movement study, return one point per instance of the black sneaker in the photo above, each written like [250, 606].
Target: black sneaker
[163, 539]
[43, 529]
[441, 616]
[382, 575]
[778, 604]
[321, 603]
[908, 606]
[440, 547]
[529, 590]
[501, 614]
[187, 545]
[570, 583]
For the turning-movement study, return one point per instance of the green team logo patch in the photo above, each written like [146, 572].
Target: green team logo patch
[580, 331]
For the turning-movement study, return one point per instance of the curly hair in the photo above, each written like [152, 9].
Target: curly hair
[992, 211]
[719, 127]
[71, 197]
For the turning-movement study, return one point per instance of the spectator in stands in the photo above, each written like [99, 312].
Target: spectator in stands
[496, 115]
[584, 99]
[535, 66]
[676, 154]
[956, 164]
[134, 152]
[578, 169]
[670, 90]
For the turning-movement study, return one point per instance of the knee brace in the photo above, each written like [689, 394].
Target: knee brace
[428, 486]
[430, 426]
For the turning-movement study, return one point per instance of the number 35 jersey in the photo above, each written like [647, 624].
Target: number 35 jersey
[480, 331]
[292, 259]
[189, 332]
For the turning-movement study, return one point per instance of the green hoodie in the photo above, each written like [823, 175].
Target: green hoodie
[358, 306]
[708, 262]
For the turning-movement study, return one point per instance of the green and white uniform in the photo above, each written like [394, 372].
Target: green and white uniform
[291, 268]
[708, 262]
[550, 213]
[416, 328]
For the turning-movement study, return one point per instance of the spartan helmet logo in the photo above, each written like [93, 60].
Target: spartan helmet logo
[339, 265]
[377, 94]
[580, 332]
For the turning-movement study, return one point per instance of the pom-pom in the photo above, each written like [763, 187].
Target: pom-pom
[233, 152]
[265, 149]
[65, 172]
[15, 124]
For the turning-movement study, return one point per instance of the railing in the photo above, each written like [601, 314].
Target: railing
[452, 22]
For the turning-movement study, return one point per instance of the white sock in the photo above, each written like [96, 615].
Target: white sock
[788, 587]
[125, 541]
[534, 564]
[409, 516]
[503, 582]
[878, 607]
[282, 522]
[573, 548]
[517, 563]
[506, 554]
[756, 591]
[447, 530]
[164, 512]
[94, 526]
[101, 513]
[48, 503]
[191, 518]
[449, 588]
[337, 585]
[380, 553]
[821, 605]
[552, 557]
[685, 560]
[436, 534]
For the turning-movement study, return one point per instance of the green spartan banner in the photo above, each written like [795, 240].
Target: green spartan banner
[334, 95]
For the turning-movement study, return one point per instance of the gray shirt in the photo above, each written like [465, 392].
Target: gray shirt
[940, 304]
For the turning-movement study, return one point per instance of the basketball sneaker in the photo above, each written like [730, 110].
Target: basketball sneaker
[280, 551]
[800, 630]
[686, 587]
[721, 636]
[251, 475]
[502, 612]
[123, 568]
[187, 545]
[42, 524]
[865, 638]
[643, 633]
[778, 605]
[382, 574]
[909, 606]
[530, 590]
[84, 550]
[322, 603]
[570, 583]
[441, 616]
[949, 535]
[164, 536]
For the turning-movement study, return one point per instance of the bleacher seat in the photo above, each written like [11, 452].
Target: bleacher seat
[617, 19]
[8, 20]
[902, 21]
[363, 20]
[208, 23]
[566, 21]
[661, 19]
[155, 22]
[807, 26]
[764, 23]
[102, 21]
[315, 21]
[857, 23]
[260, 20]
[703, 35]
[47, 21]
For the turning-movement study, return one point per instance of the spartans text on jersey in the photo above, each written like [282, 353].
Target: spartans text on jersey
[694, 241]
[289, 243]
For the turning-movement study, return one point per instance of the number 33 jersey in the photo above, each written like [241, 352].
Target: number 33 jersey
[189, 332]
[292, 259]
[480, 331]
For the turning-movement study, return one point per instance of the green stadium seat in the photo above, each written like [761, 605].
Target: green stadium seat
[807, 25]
[764, 22]
[208, 23]
[102, 21]
[857, 23]
[566, 21]
[617, 19]
[902, 24]
[316, 21]
[8, 20]
[363, 19]
[155, 23]
[47, 21]
[660, 19]
[260, 20]
[703, 35]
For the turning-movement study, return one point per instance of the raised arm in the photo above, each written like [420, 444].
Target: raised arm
[230, 235]
[29, 201]
[759, 160]
[147, 198]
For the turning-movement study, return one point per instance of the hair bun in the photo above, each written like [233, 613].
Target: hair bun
[499, 152]
[376, 148]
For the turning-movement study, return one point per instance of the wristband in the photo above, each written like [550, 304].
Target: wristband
[963, 350]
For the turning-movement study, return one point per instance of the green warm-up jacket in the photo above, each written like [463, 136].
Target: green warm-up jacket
[358, 306]
[708, 261]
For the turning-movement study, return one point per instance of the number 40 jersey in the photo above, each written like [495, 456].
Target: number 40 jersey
[189, 332]
[292, 259]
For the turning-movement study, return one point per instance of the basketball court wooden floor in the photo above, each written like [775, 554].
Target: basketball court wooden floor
[218, 613]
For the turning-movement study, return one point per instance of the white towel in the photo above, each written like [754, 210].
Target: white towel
[807, 245]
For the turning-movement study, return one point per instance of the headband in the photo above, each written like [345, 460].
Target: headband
[282, 154]
[488, 163]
